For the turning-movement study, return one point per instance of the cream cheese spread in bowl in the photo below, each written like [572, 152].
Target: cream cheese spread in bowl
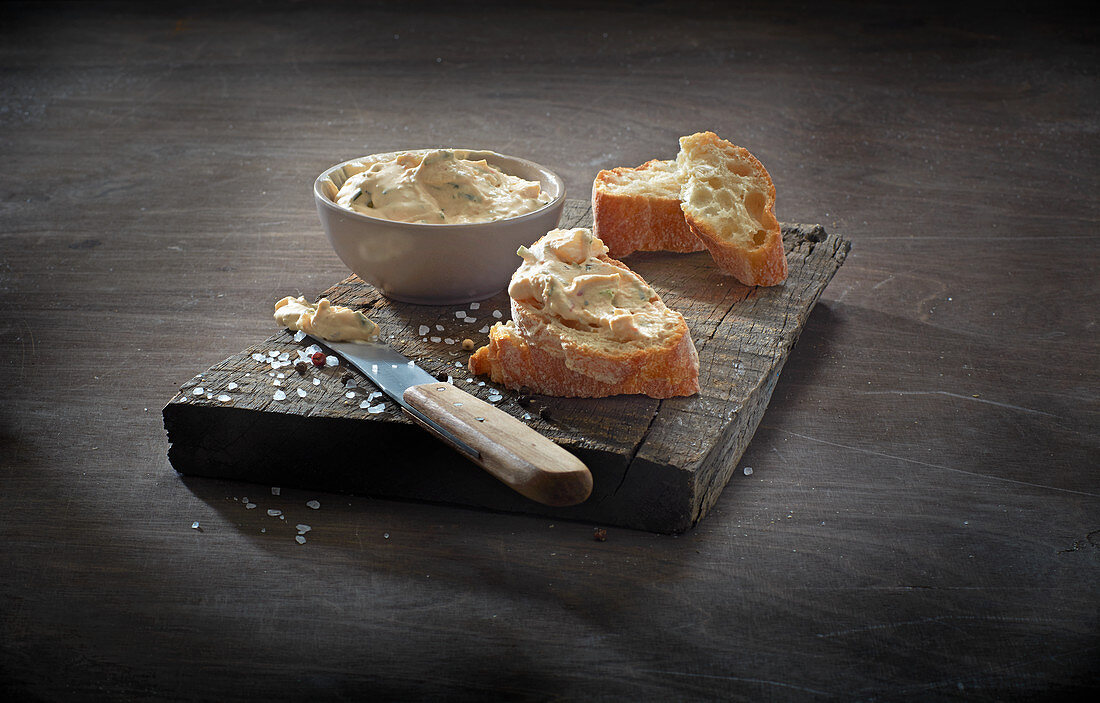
[438, 187]
[436, 226]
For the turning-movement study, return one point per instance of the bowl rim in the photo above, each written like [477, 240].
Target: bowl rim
[320, 196]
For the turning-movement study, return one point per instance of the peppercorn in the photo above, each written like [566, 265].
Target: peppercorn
[318, 358]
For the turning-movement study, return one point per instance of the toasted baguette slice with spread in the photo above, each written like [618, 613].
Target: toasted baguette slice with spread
[728, 199]
[638, 209]
[585, 325]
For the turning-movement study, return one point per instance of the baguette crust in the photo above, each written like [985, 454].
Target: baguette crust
[553, 356]
[555, 367]
[728, 200]
[638, 209]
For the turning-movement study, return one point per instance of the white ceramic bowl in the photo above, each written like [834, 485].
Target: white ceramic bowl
[436, 264]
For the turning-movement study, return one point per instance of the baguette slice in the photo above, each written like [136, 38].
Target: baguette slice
[638, 209]
[728, 199]
[584, 325]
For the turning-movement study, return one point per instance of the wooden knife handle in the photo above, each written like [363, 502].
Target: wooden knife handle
[511, 451]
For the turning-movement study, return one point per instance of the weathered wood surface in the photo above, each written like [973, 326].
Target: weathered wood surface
[922, 519]
[657, 464]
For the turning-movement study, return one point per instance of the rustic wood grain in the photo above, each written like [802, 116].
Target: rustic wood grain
[657, 464]
[921, 520]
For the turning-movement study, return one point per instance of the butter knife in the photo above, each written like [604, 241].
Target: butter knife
[526, 461]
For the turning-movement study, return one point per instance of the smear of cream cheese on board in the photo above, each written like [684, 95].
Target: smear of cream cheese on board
[334, 323]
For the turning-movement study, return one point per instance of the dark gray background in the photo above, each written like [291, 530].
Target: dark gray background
[923, 518]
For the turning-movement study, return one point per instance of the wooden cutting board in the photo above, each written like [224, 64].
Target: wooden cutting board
[657, 465]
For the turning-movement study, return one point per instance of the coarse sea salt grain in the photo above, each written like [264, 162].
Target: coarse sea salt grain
[198, 391]
[424, 329]
[448, 340]
[434, 340]
[312, 349]
[374, 394]
[273, 353]
[316, 381]
[259, 357]
[250, 506]
[460, 314]
[471, 320]
[299, 336]
[279, 395]
[300, 539]
[496, 314]
[439, 328]
[349, 395]
[277, 383]
[364, 403]
[274, 513]
[332, 360]
[232, 386]
[301, 393]
[314, 504]
[484, 329]
[748, 470]
[195, 525]
[351, 383]
[284, 356]
[275, 490]
[225, 397]
[375, 409]
[302, 529]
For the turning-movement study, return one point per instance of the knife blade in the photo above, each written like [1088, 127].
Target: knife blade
[509, 450]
